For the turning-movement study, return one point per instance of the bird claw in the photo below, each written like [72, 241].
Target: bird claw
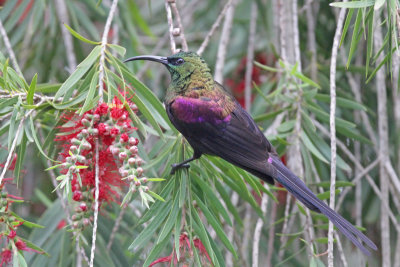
[177, 166]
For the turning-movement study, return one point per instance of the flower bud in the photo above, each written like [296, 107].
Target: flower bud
[133, 150]
[133, 190]
[139, 171]
[73, 149]
[133, 141]
[94, 132]
[81, 158]
[123, 117]
[96, 117]
[75, 141]
[122, 155]
[84, 132]
[145, 188]
[139, 161]
[83, 206]
[77, 196]
[85, 122]
[115, 151]
[131, 161]
[75, 225]
[86, 221]
[143, 180]
[137, 183]
[72, 169]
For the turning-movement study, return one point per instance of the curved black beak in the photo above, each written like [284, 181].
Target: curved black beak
[162, 60]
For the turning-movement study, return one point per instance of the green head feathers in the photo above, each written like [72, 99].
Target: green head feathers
[186, 68]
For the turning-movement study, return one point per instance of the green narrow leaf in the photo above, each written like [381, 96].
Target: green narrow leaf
[354, 4]
[170, 222]
[216, 225]
[80, 37]
[31, 91]
[20, 158]
[310, 146]
[37, 140]
[346, 26]
[148, 232]
[356, 36]
[119, 49]
[91, 93]
[213, 199]
[81, 69]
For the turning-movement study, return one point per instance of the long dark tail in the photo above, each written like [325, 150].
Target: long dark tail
[297, 187]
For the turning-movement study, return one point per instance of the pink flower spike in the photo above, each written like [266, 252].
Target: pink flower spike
[163, 259]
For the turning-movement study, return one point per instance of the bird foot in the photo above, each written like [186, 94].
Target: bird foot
[178, 166]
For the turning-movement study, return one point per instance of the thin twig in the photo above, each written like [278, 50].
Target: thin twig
[375, 188]
[258, 228]
[271, 235]
[214, 27]
[170, 27]
[340, 248]
[223, 43]
[383, 145]
[332, 115]
[179, 21]
[285, 227]
[14, 144]
[100, 92]
[361, 172]
[62, 14]
[250, 56]
[9, 49]
[393, 176]
[116, 226]
[230, 231]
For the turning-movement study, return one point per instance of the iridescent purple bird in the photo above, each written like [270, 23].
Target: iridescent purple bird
[214, 123]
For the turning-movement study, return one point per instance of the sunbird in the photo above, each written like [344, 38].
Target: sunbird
[214, 123]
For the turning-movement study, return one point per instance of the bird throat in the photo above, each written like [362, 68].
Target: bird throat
[192, 84]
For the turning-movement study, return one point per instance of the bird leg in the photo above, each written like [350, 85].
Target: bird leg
[184, 164]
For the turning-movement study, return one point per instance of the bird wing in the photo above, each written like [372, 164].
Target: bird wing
[217, 125]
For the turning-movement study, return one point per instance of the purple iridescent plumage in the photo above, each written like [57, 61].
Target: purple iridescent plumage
[195, 110]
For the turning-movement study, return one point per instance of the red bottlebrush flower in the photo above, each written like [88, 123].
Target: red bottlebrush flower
[6, 257]
[61, 224]
[102, 109]
[162, 259]
[184, 246]
[77, 196]
[124, 137]
[114, 131]
[21, 245]
[199, 245]
[102, 128]
[12, 234]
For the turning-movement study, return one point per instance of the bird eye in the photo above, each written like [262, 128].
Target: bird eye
[178, 61]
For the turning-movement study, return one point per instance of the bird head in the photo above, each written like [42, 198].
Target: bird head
[183, 67]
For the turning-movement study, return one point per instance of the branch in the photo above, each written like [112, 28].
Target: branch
[214, 27]
[258, 228]
[250, 56]
[172, 3]
[170, 27]
[100, 92]
[9, 49]
[383, 145]
[332, 78]
[223, 43]
[62, 13]
[116, 226]
[361, 173]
